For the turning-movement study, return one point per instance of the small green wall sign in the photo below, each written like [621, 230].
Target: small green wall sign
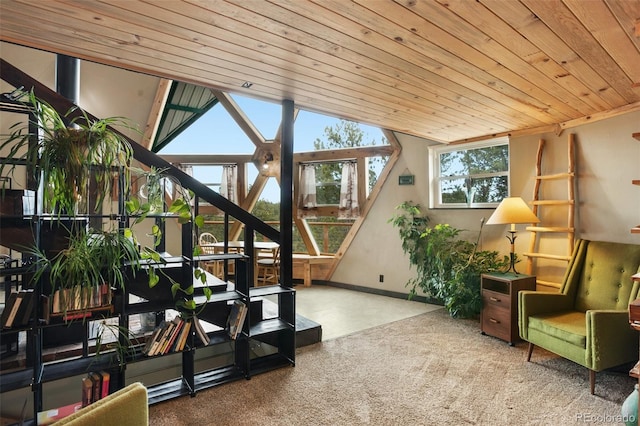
[405, 180]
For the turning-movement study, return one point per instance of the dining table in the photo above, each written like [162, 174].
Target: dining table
[238, 245]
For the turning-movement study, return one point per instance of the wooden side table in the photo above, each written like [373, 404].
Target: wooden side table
[499, 315]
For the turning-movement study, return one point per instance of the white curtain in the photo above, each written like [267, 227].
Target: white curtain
[171, 186]
[229, 183]
[307, 202]
[348, 208]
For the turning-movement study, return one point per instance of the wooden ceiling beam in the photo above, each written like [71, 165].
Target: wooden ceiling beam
[240, 118]
[155, 115]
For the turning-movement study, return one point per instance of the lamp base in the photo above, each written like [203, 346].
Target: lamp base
[512, 264]
[512, 255]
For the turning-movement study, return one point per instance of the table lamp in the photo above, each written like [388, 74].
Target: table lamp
[512, 210]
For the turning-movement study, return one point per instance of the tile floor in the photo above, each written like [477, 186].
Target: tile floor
[341, 311]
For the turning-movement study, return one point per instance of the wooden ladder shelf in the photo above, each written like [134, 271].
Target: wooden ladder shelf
[636, 229]
[538, 233]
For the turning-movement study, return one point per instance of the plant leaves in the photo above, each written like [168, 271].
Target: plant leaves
[199, 221]
[153, 278]
[207, 292]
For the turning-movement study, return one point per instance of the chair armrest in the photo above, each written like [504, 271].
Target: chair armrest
[128, 406]
[610, 339]
[539, 302]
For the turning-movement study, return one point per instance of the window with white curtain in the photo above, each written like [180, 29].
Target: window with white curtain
[348, 207]
[229, 182]
[307, 199]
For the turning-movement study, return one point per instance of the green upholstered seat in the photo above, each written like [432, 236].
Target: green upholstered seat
[587, 322]
[128, 406]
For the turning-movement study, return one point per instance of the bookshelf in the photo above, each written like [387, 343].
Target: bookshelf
[276, 332]
[44, 333]
[61, 346]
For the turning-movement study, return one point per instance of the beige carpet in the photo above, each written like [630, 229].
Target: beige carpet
[426, 370]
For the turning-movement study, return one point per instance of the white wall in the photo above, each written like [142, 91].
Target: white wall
[104, 91]
[607, 159]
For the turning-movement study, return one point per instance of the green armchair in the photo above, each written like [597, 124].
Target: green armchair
[587, 322]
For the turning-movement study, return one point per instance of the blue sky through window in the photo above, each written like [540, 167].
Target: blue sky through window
[216, 132]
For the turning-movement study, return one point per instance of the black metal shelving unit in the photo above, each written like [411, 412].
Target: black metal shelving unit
[276, 332]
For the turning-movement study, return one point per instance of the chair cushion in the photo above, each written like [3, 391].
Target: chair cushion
[570, 327]
[605, 281]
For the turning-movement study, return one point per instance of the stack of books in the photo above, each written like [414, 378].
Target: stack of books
[95, 387]
[78, 298]
[169, 336]
[18, 310]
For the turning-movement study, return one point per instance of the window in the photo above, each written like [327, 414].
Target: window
[474, 175]
[328, 178]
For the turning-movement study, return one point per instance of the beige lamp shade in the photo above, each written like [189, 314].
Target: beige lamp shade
[512, 210]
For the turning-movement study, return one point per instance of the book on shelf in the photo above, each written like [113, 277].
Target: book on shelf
[235, 321]
[152, 339]
[78, 298]
[175, 340]
[8, 307]
[18, 310]
[174, 328]
[106, 383]
[163, 340]
[168, 337]
[96, 295]
[155, 345]
[25, 313]
[96, 380]
[105, 294]
[87, 391]
[95, 386]
[55, 305]
[14, 309]
[184, 335]
[200, 331]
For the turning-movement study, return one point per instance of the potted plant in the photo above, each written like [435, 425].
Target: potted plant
[64, 155]
[448, 267]
[82, 275]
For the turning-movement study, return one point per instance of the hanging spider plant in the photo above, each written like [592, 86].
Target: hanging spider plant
[65, 154]
[90, 260]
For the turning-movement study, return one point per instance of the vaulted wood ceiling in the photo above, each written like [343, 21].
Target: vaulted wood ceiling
[447, 70]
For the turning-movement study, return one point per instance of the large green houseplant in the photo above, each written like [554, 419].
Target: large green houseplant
[64, 155]
[448, 267]
[73, 160]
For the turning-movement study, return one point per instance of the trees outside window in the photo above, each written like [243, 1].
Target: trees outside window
[474, 176]
[344, 134]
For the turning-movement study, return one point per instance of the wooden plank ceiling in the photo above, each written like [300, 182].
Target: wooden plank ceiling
[447, 70]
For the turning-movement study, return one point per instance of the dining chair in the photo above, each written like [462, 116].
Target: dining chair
[206, 241]
[268, 269]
